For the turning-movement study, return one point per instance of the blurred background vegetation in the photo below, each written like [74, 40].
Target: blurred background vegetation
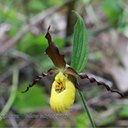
[23, 24]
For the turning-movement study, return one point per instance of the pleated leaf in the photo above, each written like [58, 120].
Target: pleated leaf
[80, 45]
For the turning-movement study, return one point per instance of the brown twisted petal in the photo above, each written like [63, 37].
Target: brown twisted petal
[100, 83]
[39, 77]
[72, 73]
[53, 52]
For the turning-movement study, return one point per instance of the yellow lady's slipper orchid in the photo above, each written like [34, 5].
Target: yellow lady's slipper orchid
[63, 89]
[62, 93]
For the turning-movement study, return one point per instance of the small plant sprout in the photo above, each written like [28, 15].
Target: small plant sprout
[63, 88]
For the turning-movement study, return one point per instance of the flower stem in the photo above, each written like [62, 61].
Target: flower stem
[87, 109]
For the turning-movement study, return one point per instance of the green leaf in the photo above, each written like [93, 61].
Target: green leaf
[30, 101]
[80, 45]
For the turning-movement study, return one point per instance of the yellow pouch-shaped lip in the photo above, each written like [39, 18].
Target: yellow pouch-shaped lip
[62, 94]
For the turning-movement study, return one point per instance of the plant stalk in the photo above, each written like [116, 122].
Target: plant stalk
[87, 109]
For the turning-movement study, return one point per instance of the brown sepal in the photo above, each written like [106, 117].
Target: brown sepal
[53, 52]
[72, 75]
[75, 82]
[71, 71]
[53, 71]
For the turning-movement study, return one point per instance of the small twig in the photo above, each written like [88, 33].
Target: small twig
[12, 95]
